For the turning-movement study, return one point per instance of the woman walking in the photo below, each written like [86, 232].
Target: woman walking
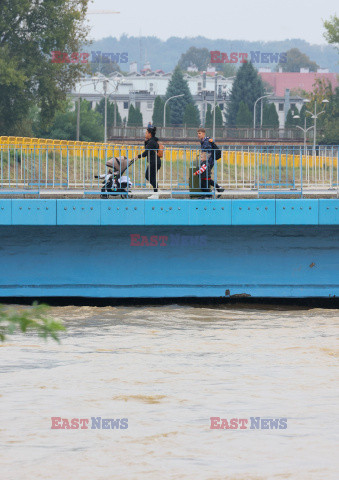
[154, 161]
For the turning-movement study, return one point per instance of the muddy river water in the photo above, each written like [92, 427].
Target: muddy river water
[163, 371]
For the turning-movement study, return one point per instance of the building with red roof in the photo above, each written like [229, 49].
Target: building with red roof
[280, 81]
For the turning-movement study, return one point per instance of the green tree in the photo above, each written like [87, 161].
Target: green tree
[100, 108]
[218, 117]
[65, 121]
[270, 116]
[29, 32]
[191, 116]
[131, 120]
[304, 115]
[209, 116]
[266, 119]
[91, 129]
[177, 86]
[247, 88]
[200, 57]
[331, 120]
[63, 127]
[33, 319]
[332, 31]
[297, 60]
[138, 118]
[226, 69]
[244, 117]
[290, 121]
[158, 112]
[322, 90]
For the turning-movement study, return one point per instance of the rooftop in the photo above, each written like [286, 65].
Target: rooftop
[281, 81]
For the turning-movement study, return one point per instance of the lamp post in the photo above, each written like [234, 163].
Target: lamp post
[105, 82]
[315, 115]
[106, 95]
[78, 119]
[174, 96]
[78, 111]
[305, 130]
[105, 116]
[214, 104]
[255, 104]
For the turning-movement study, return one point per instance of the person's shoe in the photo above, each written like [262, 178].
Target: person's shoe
[220, 190]
[155, 196]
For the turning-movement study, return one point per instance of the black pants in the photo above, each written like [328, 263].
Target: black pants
[151, 173]
[206, 180]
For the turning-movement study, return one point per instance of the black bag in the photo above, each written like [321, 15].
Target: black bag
[217, 151]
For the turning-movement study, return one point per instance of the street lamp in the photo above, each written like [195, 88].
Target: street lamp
[105, 116]
[105, 82]
[78, 111]
[315, 115]
[214, 104]
[106, 95]
[305, 130]
[174, 96]
[255, 104]
[203, 93]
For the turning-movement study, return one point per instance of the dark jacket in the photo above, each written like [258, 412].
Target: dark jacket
[151, 146]
[206, 145]
[209, 148]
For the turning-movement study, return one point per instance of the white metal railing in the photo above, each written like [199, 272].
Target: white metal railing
[63, 167]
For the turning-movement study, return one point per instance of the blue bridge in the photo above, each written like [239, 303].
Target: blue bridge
[169, 248]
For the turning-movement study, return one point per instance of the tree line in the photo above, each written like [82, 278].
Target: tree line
[165, 54]
[33, 90]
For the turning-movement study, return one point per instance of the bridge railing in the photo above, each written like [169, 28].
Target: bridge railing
[292, 134]
[48, 165]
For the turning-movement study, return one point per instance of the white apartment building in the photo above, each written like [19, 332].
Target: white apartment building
[140, 89]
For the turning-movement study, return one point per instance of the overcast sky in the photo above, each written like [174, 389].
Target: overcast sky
[239, 20]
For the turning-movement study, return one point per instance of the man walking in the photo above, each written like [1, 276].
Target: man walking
[208, 149]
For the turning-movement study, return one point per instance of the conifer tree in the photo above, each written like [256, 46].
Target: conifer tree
[158, 112]
[138, 118]
[131, 116]
[218, 117]
[244, 117]
[209, 116]
[177, 86]
[247, 88]
[304, 115]
[191, 116]
[110, 113]
[290, 121]
[270, 116]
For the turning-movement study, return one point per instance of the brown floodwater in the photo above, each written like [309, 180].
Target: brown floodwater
[168, 369]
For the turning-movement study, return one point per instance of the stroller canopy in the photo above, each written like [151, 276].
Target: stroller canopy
[119, 164]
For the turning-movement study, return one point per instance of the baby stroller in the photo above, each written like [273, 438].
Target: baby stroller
[114, 181]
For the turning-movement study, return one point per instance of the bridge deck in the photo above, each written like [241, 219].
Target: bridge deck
[184, 194]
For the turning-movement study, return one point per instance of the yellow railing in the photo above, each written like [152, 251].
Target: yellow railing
[108, 150]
